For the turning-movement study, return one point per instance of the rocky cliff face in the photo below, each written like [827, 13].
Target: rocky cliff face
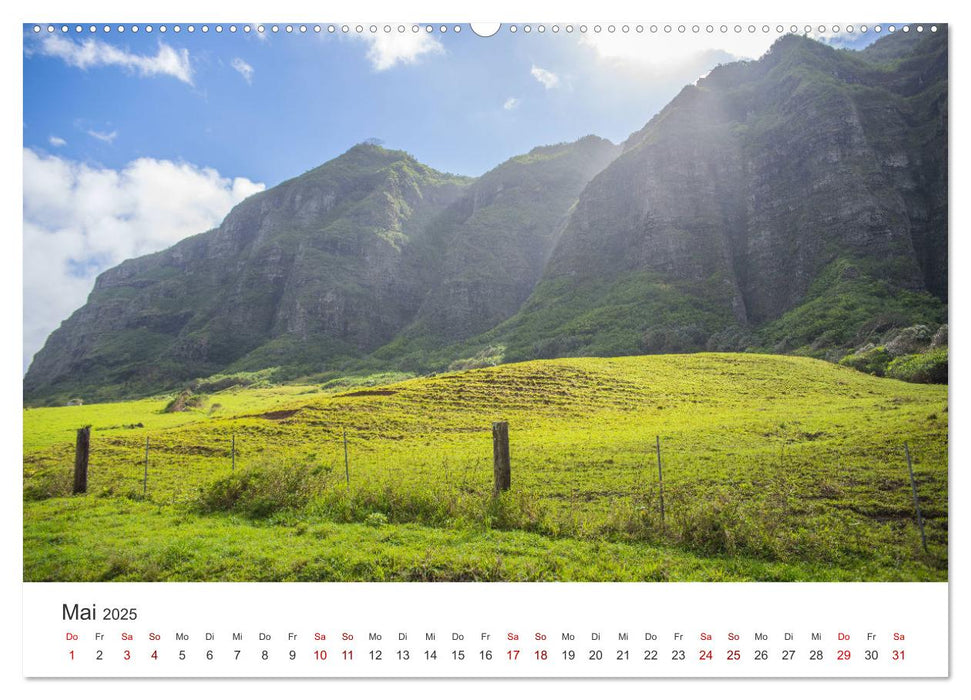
[325, 267]
[499, 237]
[797, 203]
[811, 175]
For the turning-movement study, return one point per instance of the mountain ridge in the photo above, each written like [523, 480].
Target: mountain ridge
[328, 265]
[730, 204]
[794, 204]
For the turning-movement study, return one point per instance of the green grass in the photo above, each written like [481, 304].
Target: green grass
[775, 468]
[45, 427]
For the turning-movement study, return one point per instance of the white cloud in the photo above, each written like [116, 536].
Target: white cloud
[511, 103]
[547, 78]
[80, 220]
[106, 136]
[673, 55]
[665, 51]
[243, 68]
[387, 50]
[57, 141]
[91, 53]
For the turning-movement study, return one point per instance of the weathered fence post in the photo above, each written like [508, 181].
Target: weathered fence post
[501, 470]
[81, 449]
[347, 469]
[913, 485]
[234, 452]
[145, 480]
[660, 477]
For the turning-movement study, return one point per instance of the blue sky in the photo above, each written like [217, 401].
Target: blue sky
[309, 97]
[134, 140]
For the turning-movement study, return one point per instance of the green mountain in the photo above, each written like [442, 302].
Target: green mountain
[500, 237]
[793, 204]
[321, 270]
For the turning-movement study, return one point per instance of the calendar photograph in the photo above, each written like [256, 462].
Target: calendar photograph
[410, 302]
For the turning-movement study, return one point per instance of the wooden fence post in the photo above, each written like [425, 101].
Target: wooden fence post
[913, 485]
[660, 477]
[81, 449]
[145, 480]
[501, 470]
[234, 452]
[347, 469]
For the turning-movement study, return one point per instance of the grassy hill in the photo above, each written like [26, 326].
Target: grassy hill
[775, 468]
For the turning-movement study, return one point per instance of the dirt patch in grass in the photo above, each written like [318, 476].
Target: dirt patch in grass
[278, 415]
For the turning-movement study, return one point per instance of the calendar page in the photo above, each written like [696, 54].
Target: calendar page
[436, 348]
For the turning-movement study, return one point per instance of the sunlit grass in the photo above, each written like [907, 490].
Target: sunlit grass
[784, 467]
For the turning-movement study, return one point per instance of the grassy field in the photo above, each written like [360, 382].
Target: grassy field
[775, 468]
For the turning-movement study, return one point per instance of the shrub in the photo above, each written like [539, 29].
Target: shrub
[261, 490]
[557, 346]
[909, 341]
[922, 368]
[666, 339]
[731, 339]
[183, 402]
[878, 326]
[869, 359]
[221, 383]
[489, 357]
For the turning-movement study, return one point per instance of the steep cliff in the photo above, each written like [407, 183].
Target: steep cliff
[330, 264]
[795, 203]
[322, 269]
[500, 235]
